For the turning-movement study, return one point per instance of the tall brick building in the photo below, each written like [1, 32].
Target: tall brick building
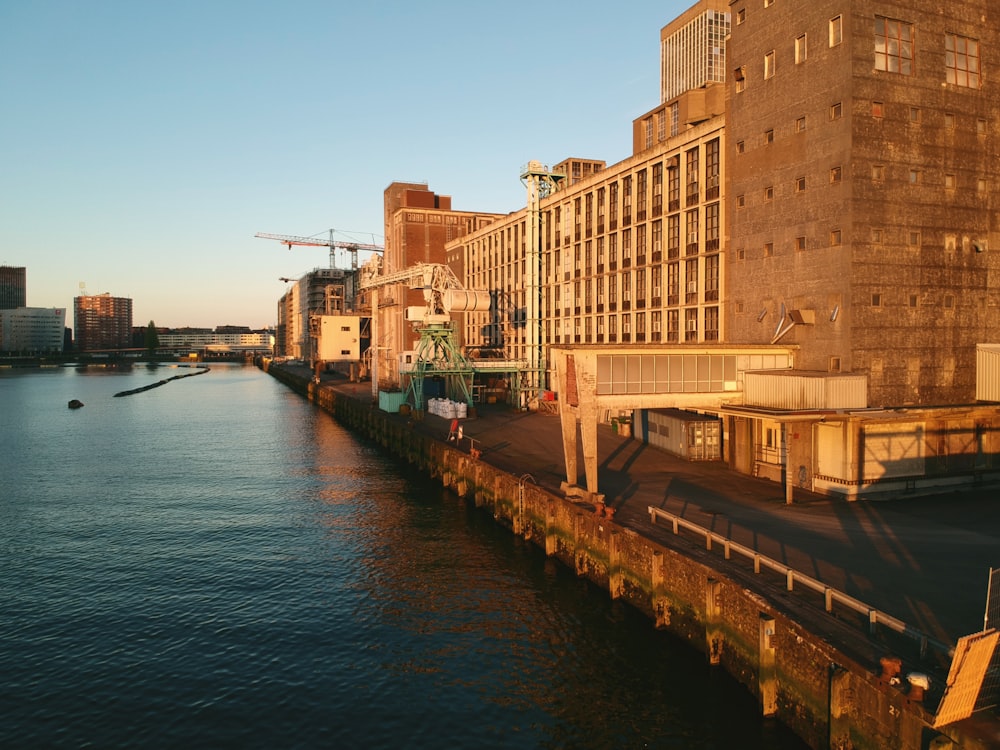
[862, 157]
[418, 224]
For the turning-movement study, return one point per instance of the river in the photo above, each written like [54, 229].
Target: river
[218, 563]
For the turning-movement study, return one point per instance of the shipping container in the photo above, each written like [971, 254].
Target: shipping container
[696, 437]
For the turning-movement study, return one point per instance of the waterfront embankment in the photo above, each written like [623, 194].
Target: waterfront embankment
[817, 672]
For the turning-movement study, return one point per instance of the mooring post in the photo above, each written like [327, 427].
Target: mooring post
[713, 617]
[766, 672]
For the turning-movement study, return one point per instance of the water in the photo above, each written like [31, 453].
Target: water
[217, 563]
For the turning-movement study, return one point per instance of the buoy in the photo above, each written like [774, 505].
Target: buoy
[75, 404]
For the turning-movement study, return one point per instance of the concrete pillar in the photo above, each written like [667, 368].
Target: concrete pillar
[841, 697]
[567, 420]
[615, 580]
[588, 431]
[789, 474]
[713, 619]
[551, 539]
[767, 677]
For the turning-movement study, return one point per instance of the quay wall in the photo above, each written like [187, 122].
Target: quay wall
[824, 695]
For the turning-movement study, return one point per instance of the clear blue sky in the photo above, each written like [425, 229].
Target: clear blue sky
[144, 144]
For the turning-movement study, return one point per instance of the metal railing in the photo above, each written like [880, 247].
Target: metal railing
[792, 577]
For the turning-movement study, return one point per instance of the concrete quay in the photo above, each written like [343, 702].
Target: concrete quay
[922, 560]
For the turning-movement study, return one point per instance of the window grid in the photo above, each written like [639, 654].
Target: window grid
[893, 46]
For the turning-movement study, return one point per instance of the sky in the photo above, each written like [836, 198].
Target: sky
[144, 144]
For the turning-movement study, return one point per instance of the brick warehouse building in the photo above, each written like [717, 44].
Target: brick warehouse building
[862, 159]
[831, 197]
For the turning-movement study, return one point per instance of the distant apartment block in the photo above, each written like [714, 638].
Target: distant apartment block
[102, 322]
[13, 287]
[32, 330]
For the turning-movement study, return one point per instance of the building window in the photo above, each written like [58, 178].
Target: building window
[949, 301]
[800, 243]
[711, 324]
[877, 236]
[961, 60]
[835, 238]
[914, 300]
[800, 49]
[741, 16]
[913, 239]
[675, 119]
[800, 124]
[878, 172]
[893, 46]
[981, 126]
[711, 278]
[712, 169]
[691, 324]
[740, 147]
[691, 171]
[949, 120]
[691, 280]
[800, 184]
[740, 76]
[769, 193]
[836, 30]
[712, 228]
[981, 185]
[915, 115]
[949, 182]
[741, 201]
[876, 300]
[835, 175]
[769, 64]
[768, 249]
[834, 364]
[768, 136]
[836, 111]
[876, 109]
[914, 176]
[768, 3]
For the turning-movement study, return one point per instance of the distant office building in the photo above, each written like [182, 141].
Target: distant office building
[102, 322]
[222, 339]
[12, 287]
[32, 330]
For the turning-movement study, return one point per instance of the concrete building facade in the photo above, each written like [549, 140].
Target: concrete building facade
[862, 158]
[632, 253]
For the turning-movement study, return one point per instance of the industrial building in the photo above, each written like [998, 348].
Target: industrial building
[815, 182]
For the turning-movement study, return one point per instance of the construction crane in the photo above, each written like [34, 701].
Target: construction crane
[334, 245]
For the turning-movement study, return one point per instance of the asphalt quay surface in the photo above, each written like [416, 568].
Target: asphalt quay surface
[923, 560]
